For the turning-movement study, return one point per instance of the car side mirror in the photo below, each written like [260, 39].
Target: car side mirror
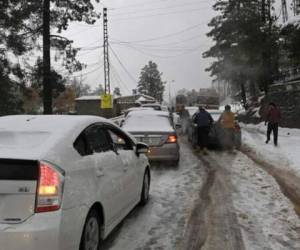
[142, 148]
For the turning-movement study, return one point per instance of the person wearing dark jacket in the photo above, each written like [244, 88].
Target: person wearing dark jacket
[273, 118]
[204, 121]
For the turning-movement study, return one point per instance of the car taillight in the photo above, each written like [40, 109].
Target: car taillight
[49, 189]
[172, 139]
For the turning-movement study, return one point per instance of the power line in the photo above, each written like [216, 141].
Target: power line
[122, 65]
[115, 74]
[90, 72]
[161, 47]
[147, 3]
[165, 56]
[160, 8]
[160, 14]
[91, 26]
[165, 36]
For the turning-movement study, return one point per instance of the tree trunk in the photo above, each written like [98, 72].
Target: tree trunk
[243, 95]
[266, 54]
[47, 90]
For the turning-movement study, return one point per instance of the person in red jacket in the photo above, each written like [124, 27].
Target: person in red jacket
[273, 118]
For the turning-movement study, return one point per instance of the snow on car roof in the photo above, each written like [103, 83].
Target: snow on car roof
[46, 123]
[148, 112]
[29, 136]
[148, 121]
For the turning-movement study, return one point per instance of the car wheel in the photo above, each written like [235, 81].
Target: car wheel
[90, 239]
[146, 188]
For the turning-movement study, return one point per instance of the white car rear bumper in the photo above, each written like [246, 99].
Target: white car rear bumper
[41, 231]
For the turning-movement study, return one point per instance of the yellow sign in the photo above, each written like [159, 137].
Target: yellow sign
[106, 101]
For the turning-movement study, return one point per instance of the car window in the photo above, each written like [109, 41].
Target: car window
[98, 139]
[120, 140]
[81, 146]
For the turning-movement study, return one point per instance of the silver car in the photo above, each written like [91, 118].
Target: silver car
[155, 128]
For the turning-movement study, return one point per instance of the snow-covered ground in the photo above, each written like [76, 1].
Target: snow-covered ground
[286, 156]
[266, 217]
[161, 223]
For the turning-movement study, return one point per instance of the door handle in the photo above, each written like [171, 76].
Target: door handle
[125, 168]
[99, 172]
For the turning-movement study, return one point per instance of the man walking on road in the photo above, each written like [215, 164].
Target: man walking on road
[227, 121]
[273, 118]
[204, 122]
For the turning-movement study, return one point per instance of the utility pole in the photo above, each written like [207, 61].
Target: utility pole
[285, 15]
[106, 56]
[47, 88]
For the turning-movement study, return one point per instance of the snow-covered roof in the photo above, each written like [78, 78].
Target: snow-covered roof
[141, 99]
[147, 97]
[148, 121]
[88, 97]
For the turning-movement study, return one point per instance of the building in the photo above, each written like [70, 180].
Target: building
[91, 105]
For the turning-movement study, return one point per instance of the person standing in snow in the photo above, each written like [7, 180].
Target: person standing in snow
[273, 118]
[204, 121]
[227, 122]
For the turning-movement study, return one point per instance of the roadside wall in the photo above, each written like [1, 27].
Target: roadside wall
[92, 107]
[287, 97]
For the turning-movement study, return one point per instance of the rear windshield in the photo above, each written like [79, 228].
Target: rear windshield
[148, 123]
[192, 111]
[215, 116]
[22, 138]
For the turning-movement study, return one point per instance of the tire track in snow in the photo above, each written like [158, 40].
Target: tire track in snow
[213, 223]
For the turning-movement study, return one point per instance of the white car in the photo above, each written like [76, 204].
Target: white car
[66, 181]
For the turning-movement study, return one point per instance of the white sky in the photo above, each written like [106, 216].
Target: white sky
[179, 56]
[171, 33]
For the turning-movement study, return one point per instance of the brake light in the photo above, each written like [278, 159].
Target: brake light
[172, 139]
[49, 190]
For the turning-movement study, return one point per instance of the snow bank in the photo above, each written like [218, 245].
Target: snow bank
[259, 205]
[285, 156]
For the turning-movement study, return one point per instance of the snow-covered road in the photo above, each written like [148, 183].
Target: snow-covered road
[161, 223]
[220, 201]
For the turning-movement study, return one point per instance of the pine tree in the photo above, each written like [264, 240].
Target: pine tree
[241, 38]
[150, 82]
[10, 97]
[80, 89]
[99, 90]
